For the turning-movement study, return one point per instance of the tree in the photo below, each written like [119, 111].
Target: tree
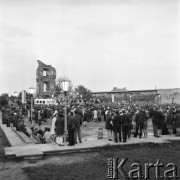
[83, 92]
[4, 99]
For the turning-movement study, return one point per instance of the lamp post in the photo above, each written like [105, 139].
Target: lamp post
[81, 98]
[172, 100]
[65, 86]
[31, 91]
[15, 93]
[159, 99]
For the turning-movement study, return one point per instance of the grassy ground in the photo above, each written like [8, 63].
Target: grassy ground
[96, 167]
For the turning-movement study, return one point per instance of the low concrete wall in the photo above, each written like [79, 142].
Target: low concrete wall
[11, 136]
[5, 137]
[2, 131]
[167, 95]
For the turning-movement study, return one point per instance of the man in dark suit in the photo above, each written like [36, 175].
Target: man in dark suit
[71, 129]
[117, 125]
[77, 132]
[139, 119]
[125, 125]
[156, 119]
[177, 122]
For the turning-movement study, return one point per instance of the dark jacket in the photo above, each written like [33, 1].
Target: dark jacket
[140, 118]
[85, 118]
[170, 119]
[71, 123]
[117, 123]
[59, 126]
[78, 120]
[48, 113]
[157, 117]
[22, 127]
[177, 120]
[125, 120]
[108, 124]
[11, 114]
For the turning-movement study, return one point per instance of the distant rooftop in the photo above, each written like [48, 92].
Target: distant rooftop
[119, 89]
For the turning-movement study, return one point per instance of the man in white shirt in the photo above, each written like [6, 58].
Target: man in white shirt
[47, 136]
[95, 115]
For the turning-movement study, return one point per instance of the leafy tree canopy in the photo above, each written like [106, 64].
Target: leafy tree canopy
[83, 92]
[4, 99]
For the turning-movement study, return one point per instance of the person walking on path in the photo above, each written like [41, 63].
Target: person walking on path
[59, 129]
[77, 132]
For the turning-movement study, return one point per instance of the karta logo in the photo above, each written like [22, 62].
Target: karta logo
[139, 171]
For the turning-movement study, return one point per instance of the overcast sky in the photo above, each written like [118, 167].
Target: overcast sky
[100, 44]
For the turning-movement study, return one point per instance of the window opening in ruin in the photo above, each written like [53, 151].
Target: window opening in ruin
[45, 87]
[44, 73]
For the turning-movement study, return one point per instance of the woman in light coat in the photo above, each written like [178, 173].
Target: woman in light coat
[53, 127]
[59, 129]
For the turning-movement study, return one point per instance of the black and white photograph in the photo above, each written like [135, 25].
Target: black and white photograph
[90, 89]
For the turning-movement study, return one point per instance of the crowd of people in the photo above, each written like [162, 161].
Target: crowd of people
[122, 121]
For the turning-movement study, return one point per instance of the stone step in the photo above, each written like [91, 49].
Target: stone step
[24, 137]
[29, 153]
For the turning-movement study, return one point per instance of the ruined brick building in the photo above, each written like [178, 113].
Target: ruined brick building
[45, 80]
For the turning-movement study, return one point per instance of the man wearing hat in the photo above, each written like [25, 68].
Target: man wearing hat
[117, 125]
[71, 129]
[77, 132]
[125, 125]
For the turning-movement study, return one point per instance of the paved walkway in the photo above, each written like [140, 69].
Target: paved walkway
[89, 142]
[43, 149]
